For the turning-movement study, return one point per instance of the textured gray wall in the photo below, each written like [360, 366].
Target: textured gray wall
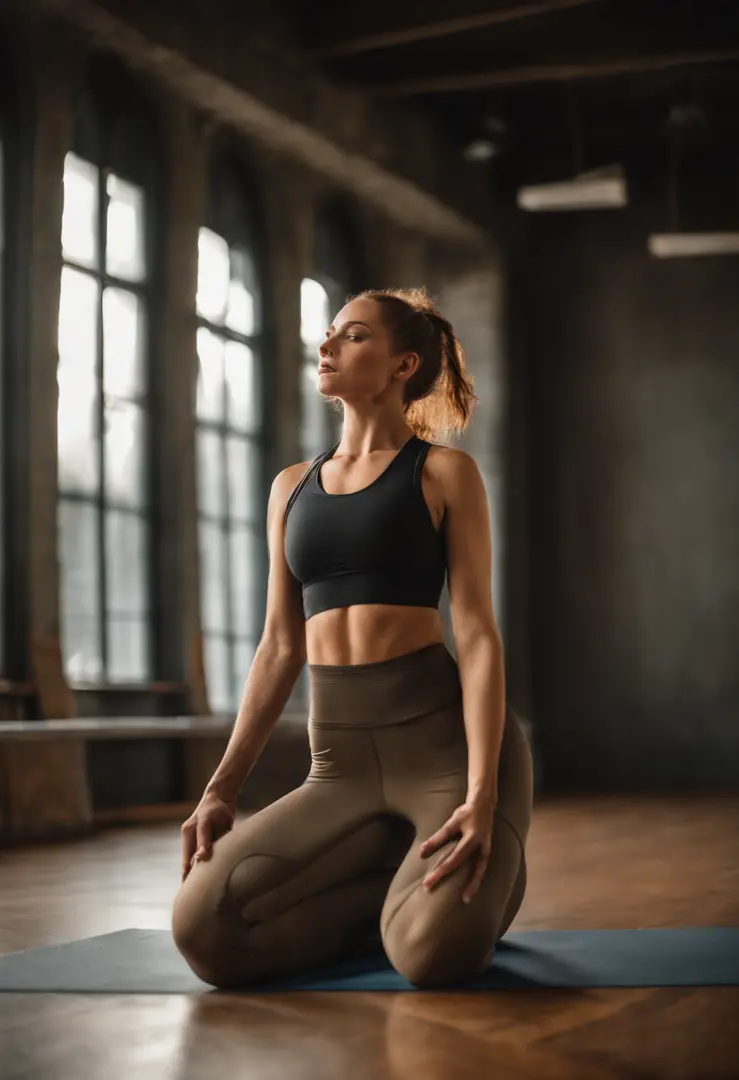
[632, 410]
[472, 298]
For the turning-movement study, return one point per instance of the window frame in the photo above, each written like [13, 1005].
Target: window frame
[4, 308]
[110, 100]
[338, 265]
[332, 419]
[16, 132]
[234, 219]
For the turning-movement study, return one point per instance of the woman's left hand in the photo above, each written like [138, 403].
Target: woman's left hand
[474, 821]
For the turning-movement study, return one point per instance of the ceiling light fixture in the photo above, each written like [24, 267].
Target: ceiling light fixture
[600, 189]
[603, 188]
[683, 123]
[684, 245]
[481, 150]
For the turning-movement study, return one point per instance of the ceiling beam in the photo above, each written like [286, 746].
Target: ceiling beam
[552, 73]
[387, 39]
[245, 110]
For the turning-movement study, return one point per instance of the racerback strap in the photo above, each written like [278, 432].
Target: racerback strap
[307, 476]
[421, 454]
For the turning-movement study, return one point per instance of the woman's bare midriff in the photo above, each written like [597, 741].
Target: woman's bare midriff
[370, 633]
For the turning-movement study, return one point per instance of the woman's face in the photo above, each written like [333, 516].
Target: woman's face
[356, 360]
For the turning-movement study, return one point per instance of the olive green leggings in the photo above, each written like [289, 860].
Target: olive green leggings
[302, 881]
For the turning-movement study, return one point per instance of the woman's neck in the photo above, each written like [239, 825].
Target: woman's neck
[364, 432]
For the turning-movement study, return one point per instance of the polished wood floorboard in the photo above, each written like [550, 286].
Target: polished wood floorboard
[607, 862]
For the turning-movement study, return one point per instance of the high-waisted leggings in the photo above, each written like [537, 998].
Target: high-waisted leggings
[300, 882]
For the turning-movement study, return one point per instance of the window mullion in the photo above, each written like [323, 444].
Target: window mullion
[226, 432]
[228, 575]
[228, 335]
[153, 532]
[140, 288]
[4, 532]
[103, 600]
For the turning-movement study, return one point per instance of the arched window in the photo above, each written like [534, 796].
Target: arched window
[337, 272]
[230, 435]
[103, 375]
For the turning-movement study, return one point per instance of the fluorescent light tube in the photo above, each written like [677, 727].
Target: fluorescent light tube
[597, 190]
[679, 245]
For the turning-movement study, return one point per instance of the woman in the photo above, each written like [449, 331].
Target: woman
[415, 814]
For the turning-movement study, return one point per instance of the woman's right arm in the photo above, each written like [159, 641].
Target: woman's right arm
[280, 655]
[278, 661]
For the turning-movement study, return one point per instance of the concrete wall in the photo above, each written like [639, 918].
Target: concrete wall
[628, 393]
[473, 299]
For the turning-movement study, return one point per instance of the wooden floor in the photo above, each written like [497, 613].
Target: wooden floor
[593, 863]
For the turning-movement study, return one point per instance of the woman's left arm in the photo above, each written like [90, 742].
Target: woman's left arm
[480, 660]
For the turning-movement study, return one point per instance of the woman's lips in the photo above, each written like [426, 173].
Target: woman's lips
[323, 368]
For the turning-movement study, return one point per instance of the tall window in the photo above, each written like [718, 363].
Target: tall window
[319, 422]
[230, 438]
[103, 416]
[337, 272]
[2, 395]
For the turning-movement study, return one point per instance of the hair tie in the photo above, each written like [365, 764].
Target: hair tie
[429, 317]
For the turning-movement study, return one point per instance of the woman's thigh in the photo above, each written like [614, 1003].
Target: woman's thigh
[432, 937]
[289, 886]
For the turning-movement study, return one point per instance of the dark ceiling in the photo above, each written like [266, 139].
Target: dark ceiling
[543, 81]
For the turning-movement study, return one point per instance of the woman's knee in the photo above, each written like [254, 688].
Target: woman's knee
[434, 938]
[215, 913]
[430, 952]
[195, 932]
[430, 961]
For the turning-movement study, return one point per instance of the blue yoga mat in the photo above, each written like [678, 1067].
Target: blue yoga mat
[146, 962]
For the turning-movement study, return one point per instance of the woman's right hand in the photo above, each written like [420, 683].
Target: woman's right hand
[212, 818]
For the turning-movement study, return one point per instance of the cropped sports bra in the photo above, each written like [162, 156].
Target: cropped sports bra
[377, 545]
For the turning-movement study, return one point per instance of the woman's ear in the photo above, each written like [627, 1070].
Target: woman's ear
[408, 366]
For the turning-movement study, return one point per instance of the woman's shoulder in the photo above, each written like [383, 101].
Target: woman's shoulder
[289, 478]
[450, 459]
[451, 468]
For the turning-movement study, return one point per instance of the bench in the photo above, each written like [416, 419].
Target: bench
[45, 790]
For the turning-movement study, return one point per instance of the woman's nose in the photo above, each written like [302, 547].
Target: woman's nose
[324, 349]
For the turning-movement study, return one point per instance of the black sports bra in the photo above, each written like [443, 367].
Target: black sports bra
[377, 545]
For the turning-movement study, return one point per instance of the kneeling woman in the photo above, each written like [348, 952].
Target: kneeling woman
[412, 823]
